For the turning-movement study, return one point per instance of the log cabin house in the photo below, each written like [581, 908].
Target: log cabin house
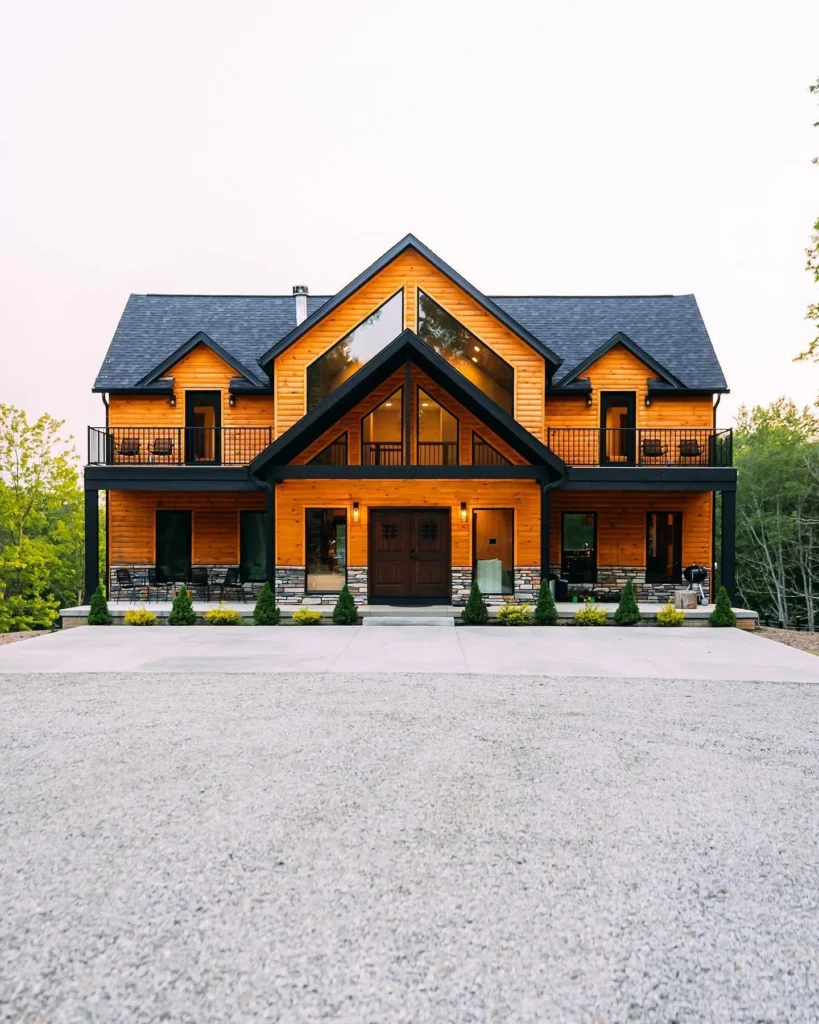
[408, 435]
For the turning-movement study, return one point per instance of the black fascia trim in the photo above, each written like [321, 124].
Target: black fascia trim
[659, 387]
[580, 386]
[160, 387]
[410, 242]
[242, 386]
[309, 472]
[200, 338]
[640, 353]
[168, 478]
[356, 388]
[647, 478]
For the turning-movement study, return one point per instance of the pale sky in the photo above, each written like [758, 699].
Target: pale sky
[539, 148]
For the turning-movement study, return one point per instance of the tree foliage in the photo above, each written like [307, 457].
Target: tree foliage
[266, 612]
[628, 613]
[475, 612]
[723, 614]
[545, 609]
[182, 613]
[98, 614]
[345, 612]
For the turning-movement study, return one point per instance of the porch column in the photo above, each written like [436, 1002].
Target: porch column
[270, 535]
[545, 530]
[728, 539]
[92, 544]
[407, 412]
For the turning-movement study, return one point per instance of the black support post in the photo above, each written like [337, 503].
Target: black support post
[270, 534]
[407, 412]
[92, 543]
[545, 530]
[729, 536]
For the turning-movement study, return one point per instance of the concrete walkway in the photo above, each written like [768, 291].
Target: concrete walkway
[612, 652]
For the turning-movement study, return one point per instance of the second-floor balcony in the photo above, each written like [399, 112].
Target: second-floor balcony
[176, 446]
[641, 446]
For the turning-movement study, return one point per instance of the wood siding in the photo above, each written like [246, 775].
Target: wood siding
[410, 271]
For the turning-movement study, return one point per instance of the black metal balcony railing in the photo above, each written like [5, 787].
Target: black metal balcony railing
[437, 453]
[382, 453]
[484, 454]
[641, 446]
[176, 446]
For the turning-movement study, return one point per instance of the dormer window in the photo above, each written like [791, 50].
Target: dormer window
[468, 354]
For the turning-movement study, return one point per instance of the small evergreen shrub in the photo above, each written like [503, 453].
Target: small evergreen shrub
[627, 614]
[475, 613]
[221, 616]
[590, 615]
[670, 616]
[545, 609]
[345, 612]
[266, 612]
[98, 614]
[723, 614]
[515, 615]
[306, 617]
[182, 613]
[140, 617]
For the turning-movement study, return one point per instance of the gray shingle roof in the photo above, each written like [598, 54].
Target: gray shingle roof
[669, 328]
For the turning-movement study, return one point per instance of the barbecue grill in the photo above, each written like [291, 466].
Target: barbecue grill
[695, 575]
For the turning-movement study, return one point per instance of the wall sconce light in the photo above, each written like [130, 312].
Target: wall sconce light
[356, 512]
[648, 401]
[589, 399]
[463, 511]
[231, 400]
[172, 401]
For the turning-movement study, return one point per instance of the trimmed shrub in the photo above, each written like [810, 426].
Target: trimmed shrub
[221, 616]
[306, 617]
[627, 614]
[723, 614]
[345, 612]
[590, 615]
[266, 612]
[140, 617]
[545, 610]
[670, 616]
[98, 614]
[182, 613]
[475, 613]
[515, 615]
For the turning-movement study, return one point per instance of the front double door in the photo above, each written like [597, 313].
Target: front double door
[409, 554]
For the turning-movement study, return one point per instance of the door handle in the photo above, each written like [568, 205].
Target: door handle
[412, 554]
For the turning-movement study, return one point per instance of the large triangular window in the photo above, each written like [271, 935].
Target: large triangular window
[335, 454]
[340, 362]
[483, 454]
[467, 353]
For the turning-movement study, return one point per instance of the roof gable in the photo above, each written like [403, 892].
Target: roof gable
[625, 342]
[200, 338]
[411, 242]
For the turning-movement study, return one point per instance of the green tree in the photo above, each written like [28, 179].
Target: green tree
[723, 614]
[266, 612]
[627, 614]
[182, 613]
[345, 612]
[98, 614]
[545, 609]
[475, 613]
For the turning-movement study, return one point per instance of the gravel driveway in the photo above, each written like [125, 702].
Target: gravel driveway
[407, 848]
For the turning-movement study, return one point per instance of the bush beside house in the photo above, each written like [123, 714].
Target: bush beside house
[545, 609]
[140, 617]
[266, 612]
[627, 614]
[182, 613]
[98, 614]
[345, 612]
[723, 614]
[475, 612]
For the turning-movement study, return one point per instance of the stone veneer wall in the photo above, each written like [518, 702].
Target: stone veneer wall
[141, 570]
[612, 579]
[527, 584]
[291, 582]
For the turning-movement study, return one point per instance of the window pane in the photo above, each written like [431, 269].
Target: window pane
[173, 546]
[479, 364]
[579, 555]
[437, 433]
[252, 547]
[663, 547]
[335, 454]
[381, 433]
[330, 370]
[493, 542]
[326, 546]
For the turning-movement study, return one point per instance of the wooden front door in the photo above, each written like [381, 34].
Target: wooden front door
[409, 553]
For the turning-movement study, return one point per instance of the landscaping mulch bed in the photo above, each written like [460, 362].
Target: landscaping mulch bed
[10, 638]
[792, 637]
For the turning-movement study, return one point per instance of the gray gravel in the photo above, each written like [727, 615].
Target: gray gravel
[407, 848]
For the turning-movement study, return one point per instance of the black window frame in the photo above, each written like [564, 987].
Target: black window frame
[327, 351]
[419, 389]
[563, 564]
[501, 461]
[402, 440]
[480, 341]
[327, 508]
[492, 508]
[344, 441]
[655, 577]
[243, 576]
[161, 513]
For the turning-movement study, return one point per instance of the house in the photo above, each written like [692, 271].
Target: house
[408, 435]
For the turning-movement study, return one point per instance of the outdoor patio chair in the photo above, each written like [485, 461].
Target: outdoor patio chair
[128, 446]
[163, 587]
[690, 448]
[162, 446]
[228, 581]
[199, 583]
[126, 584]
[653, 448]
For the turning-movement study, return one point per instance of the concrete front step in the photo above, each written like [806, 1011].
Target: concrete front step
[408, 620]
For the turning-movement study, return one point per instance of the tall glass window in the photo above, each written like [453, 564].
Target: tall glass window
[173, 546]
[579, 547]
[663, 547]
[493, 546]
[459, 346]
[326, 549]
[381, 433]
[437, 433]
[337, 364]
[251, 547]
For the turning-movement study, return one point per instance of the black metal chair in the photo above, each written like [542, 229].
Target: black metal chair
[690, 448]
[653, 448]
[199, 584]
[161, 586]
[161, 447]
[128, 447]
[228, 581]
[126, 584]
